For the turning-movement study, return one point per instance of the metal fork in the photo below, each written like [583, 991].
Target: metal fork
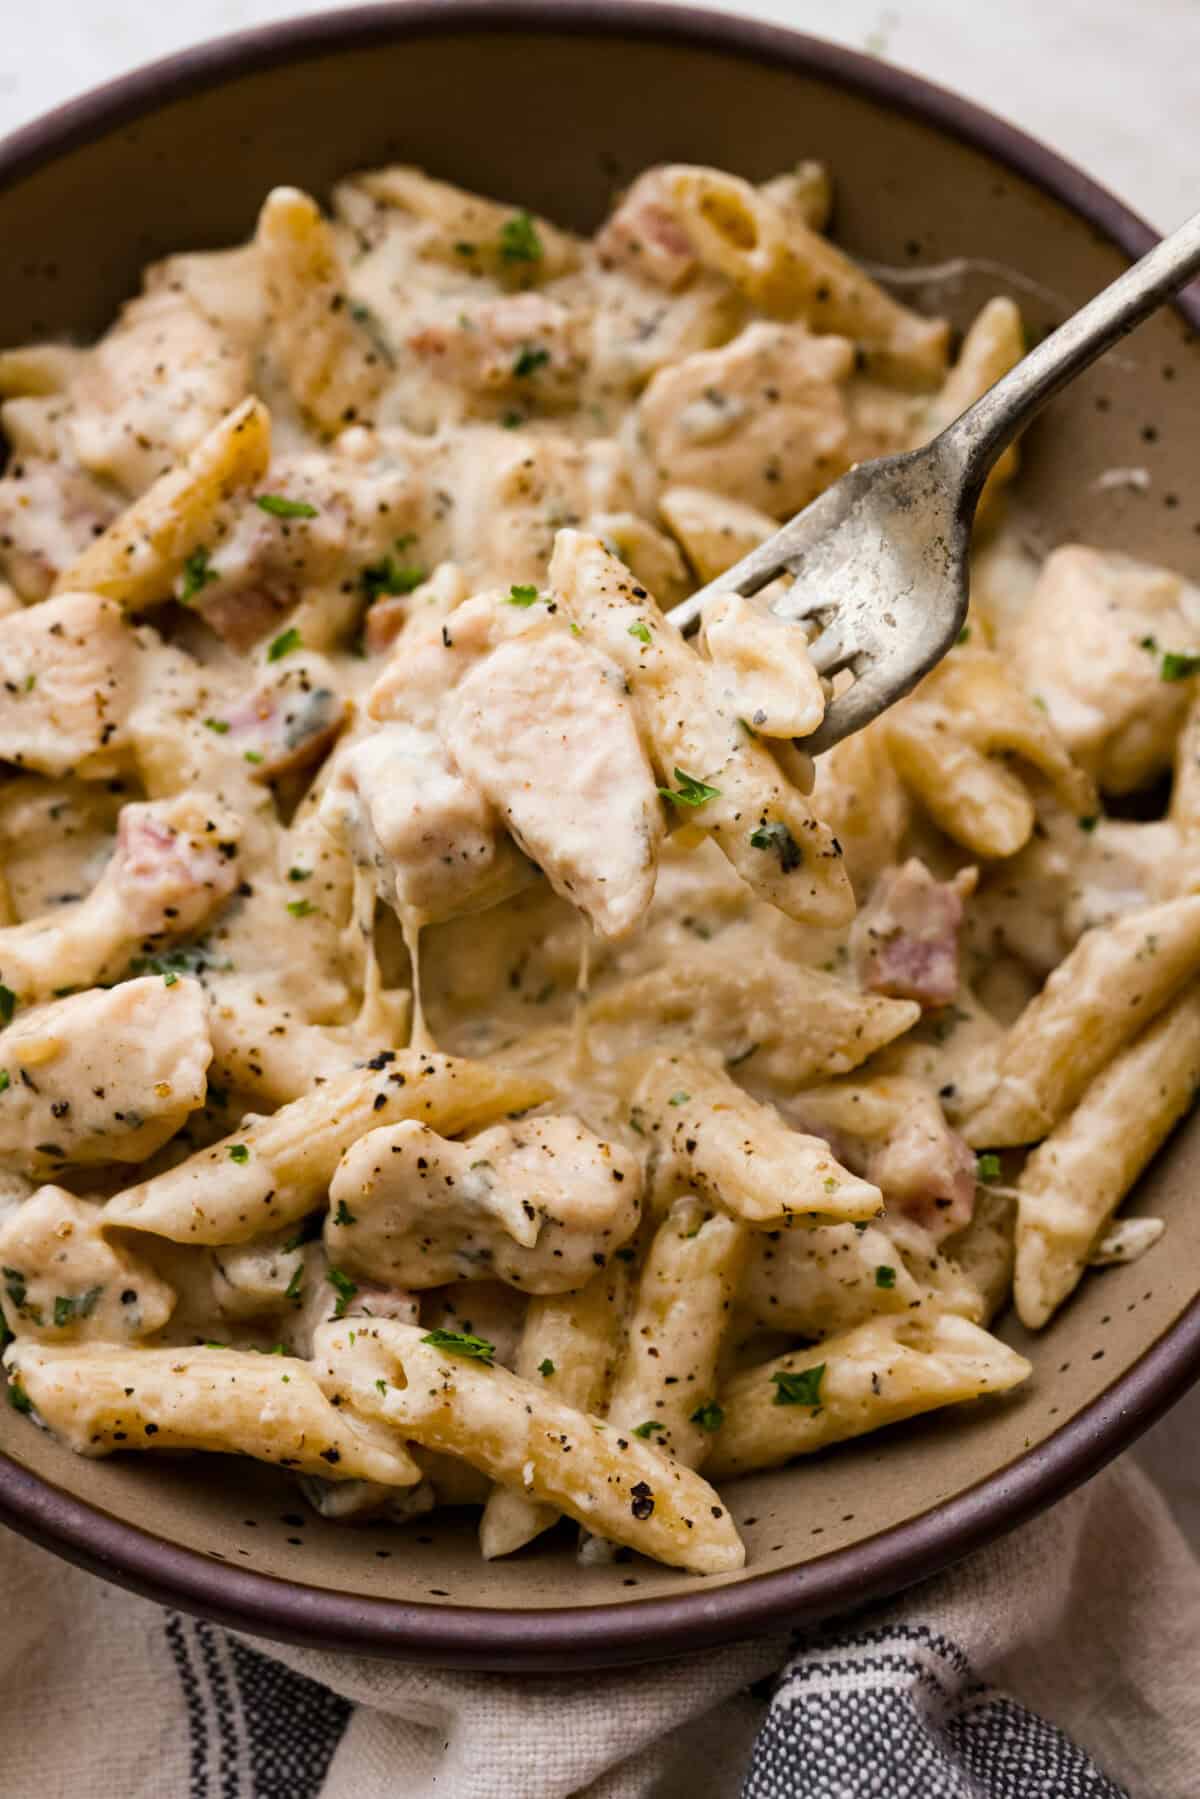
[880, 558]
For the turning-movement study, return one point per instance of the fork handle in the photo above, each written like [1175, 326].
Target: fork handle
[984, 431]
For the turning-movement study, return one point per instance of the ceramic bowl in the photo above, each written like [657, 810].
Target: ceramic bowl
[556, 104]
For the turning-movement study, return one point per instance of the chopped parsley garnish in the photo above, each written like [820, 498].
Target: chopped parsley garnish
[280, 507]
[801, 1388]
[987, 1167]
[528, 361]
[522, 593]
[390, 576]
[300, 908]
[295, 1286]
[511, 419]
[830, 1183]
[648, 1428]
[344, 1287]
[1177, 667]
[885, 1276]
[637, 1120]
[344, 1215]
[219, 725]
[30, 683]
[679, 1099]
[5, 1083]
[546, 1368]
[690, 791]
[475, 1349]
[170, 978]
[254, 756]
[8, 1004]
[964, 635]
[773, 834]
[519, 240]
[14, 1287]
[641, 630]
[462, 248]
[299, 874]
[1089, 824]
[381, 1385]
[1148, 643]
[284, 644]
[66, 1307]
[709, 1416]
[197, 573]
[238, 1152]
[18, 1398]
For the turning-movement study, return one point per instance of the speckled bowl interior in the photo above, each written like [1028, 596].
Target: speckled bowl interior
[557, 104]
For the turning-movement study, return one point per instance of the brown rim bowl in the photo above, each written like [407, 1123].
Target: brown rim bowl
[556, 102]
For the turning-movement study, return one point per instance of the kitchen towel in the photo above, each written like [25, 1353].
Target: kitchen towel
[1058, 1664]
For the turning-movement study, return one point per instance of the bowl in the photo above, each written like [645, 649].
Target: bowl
[556, 103]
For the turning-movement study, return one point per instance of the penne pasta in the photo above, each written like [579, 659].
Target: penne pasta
[274, 1170]
[569, 1345]
[888, 1369]
[141, 558]
[739, 1153]
[100, 1399]
[1113, 982]
[617, 1485]
[1075, 1180]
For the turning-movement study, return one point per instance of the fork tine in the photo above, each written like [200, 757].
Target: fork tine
[832, 650]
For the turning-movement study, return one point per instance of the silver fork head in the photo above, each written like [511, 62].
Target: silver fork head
[879, 562]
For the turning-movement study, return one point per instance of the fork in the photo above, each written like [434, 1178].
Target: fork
[880, 559]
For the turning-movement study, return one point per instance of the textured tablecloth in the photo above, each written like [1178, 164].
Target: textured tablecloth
[1089, 1619]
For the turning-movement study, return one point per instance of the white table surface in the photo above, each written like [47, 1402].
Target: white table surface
[1109, 84]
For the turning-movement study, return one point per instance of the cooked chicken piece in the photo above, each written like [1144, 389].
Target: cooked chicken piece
[174, 865]
[762, 420]
[66, 683]
[539, 1205]
[542, 727]
[436, 844]
[50, 511]
[103, 1076]
[63, 1281]
[1108, 646]
[129, 422]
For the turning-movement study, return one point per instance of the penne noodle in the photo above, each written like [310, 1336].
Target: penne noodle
[274, 1170]
[568, 1345]
[100, 1399]
[876, 1374]
[614, 1484]
[1074, 1181]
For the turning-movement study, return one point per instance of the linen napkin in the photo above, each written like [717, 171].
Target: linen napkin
[1059, 1664]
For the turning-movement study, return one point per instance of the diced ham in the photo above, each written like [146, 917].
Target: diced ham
[644, 236]
[520, 343]
[171, 866]
[926, 1171]
[288, 721]
[906, 937]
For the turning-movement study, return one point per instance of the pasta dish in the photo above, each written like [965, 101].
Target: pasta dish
[455, 1044]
